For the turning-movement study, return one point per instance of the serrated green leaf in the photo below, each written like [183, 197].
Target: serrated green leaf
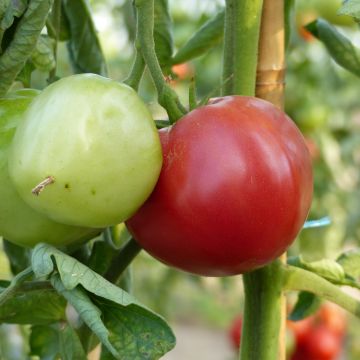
[339, 47]
[163, 37]
[351, 8]
[306, 305]
[43, 56]
[18, 256]
[56, 341]
[350, 261]
[23, 43]
[35, 306]
[88, 312]
[84, 47]
[209, 35]
[9, 9]
[106, 296]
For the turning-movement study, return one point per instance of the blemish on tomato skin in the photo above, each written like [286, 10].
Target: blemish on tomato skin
[67, 186]
[93, 192]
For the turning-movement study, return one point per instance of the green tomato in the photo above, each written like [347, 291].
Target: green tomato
[94, 142]
[19, 223]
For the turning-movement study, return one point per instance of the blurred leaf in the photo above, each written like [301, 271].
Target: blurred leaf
[351, 8]
[350, 261]
[306, 305]
[163, 36]
[57, 23]
[84, 47]
[18, 256]
[23, 42]
[339, 47]
[43, 55]
[327, 268]
[33, 306]
[209, 35]
[289, 19]
[56, 341]
[145, 334]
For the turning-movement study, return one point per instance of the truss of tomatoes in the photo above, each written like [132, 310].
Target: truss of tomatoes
[234, 189]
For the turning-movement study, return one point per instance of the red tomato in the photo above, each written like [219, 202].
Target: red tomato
[322, 344]
[333, 318]
[301, 329]
[235, 332]
[234, 190]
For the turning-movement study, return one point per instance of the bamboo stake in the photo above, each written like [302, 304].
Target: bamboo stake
[270, 84]
[271, 60]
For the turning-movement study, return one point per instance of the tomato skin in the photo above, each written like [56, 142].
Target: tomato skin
[19, 223]
[97, 140]
[234, 191]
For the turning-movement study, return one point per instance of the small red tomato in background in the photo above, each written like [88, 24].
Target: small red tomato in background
[235, 332]
[320, 336]
[234, 190]
[182, 71]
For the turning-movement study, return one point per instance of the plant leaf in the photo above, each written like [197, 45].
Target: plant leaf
[350, 261]
[306, 305]
[23, 43]
[163, 37]
[209, 35]
[35, 306]
[18, 256]
[56, 341]
[327, 268]
[351, 8]
[97, 298]
[339, 47]
[43, 55]
[84, 47]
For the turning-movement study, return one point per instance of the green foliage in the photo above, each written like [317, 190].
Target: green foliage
[23, 42]
[351, 8]
[84, 46]
[94, 298]
[50, 342]
[209, 35]
[163, 37]
[306, 305]
[340, 48]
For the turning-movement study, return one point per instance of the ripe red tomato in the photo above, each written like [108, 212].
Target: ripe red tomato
[234, 190]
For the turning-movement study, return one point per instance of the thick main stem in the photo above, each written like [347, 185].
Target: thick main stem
[262, 324]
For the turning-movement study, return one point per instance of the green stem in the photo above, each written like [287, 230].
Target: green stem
[15, 284]
[137, 71]
[246, 30]
[145, 43]
[262, 313]
[126, 255]
[228, 57]
[295, 278]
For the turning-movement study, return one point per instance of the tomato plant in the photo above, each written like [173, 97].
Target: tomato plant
[97, 142]
[225, 166]
[19, 223]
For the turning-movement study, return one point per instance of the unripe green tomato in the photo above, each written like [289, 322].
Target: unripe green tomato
[96, 143]
[19, 223]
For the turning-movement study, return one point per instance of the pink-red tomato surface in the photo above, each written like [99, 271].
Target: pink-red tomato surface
[234, 190]
[235, 332]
